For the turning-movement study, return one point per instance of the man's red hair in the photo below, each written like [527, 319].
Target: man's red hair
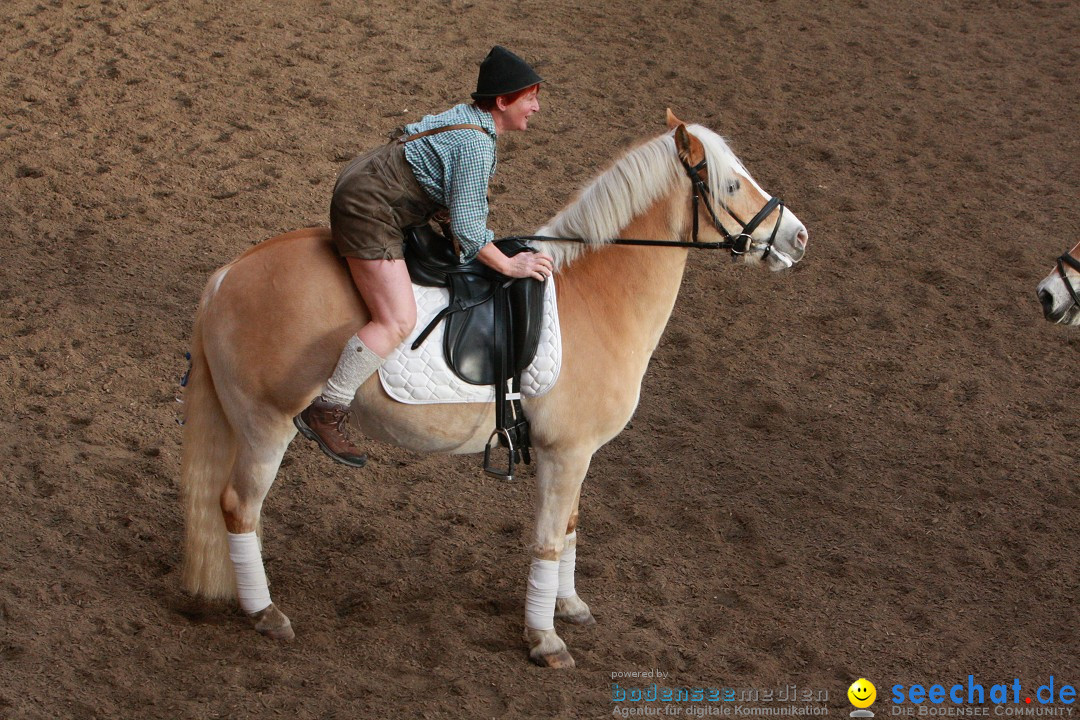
[488, 104]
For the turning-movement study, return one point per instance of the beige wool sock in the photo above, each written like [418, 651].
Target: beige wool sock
[357, 363]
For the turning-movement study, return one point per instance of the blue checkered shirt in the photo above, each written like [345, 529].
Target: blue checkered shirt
[454, 168]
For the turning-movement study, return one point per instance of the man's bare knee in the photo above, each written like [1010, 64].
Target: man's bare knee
[403, 327]
[392, 332]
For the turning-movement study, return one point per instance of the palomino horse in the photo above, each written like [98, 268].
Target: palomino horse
[271, 324]
[1058, 291]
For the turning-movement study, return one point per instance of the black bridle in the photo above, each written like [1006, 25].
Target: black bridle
[743, 242]
[1067, 259]
[738, 244]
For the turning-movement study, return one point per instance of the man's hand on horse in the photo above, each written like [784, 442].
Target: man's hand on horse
[536, 265]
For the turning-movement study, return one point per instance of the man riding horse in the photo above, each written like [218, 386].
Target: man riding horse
[443, 162]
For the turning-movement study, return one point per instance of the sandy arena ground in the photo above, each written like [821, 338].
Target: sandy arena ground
[862, 467]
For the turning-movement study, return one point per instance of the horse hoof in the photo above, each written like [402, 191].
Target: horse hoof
[547, 649]
[574, 610]
[272, 623]
[558, 660]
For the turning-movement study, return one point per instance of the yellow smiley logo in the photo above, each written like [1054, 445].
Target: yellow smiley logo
[862, 693]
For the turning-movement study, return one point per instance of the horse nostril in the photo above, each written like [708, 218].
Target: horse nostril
[802, 238]
[1047, 301]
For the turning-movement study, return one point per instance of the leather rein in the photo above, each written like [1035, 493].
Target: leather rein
[1067, 259]
[739, 244]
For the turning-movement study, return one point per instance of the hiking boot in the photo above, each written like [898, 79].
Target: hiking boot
[324, 422]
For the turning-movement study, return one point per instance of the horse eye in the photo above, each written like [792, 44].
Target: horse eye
[733, 187]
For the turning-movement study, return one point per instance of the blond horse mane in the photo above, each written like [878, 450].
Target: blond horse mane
[628, 188]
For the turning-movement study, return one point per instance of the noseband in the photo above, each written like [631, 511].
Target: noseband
[1067, 259]
[743, 242]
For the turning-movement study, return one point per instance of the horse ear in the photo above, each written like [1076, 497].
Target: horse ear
[672, 121]
[682, 143]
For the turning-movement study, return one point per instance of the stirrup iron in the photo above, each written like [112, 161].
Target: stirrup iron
[504, 440]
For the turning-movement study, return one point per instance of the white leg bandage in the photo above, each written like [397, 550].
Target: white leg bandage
[250, 576]
[540, 597]
[566, 567]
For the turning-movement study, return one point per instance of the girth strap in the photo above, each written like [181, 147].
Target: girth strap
[511, 425]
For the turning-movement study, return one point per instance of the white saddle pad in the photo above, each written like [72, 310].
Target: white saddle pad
[422, 376]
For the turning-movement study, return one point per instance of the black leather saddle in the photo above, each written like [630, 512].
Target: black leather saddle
[492, 329]
[469, 337]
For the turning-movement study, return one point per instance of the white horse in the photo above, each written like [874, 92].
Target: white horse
[271, 323]
[1058, 291]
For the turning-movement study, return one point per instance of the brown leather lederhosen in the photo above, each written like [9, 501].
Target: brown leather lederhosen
[377, 196]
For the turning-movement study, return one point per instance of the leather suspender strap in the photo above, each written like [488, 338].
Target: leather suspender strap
[436, 131]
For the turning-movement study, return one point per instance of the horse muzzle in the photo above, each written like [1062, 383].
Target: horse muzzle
[1058, 296]
[784, 254]
[1064, 312]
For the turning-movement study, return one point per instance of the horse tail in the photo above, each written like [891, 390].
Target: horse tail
[209, 451]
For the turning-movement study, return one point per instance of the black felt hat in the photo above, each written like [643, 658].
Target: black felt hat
[502, 73]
